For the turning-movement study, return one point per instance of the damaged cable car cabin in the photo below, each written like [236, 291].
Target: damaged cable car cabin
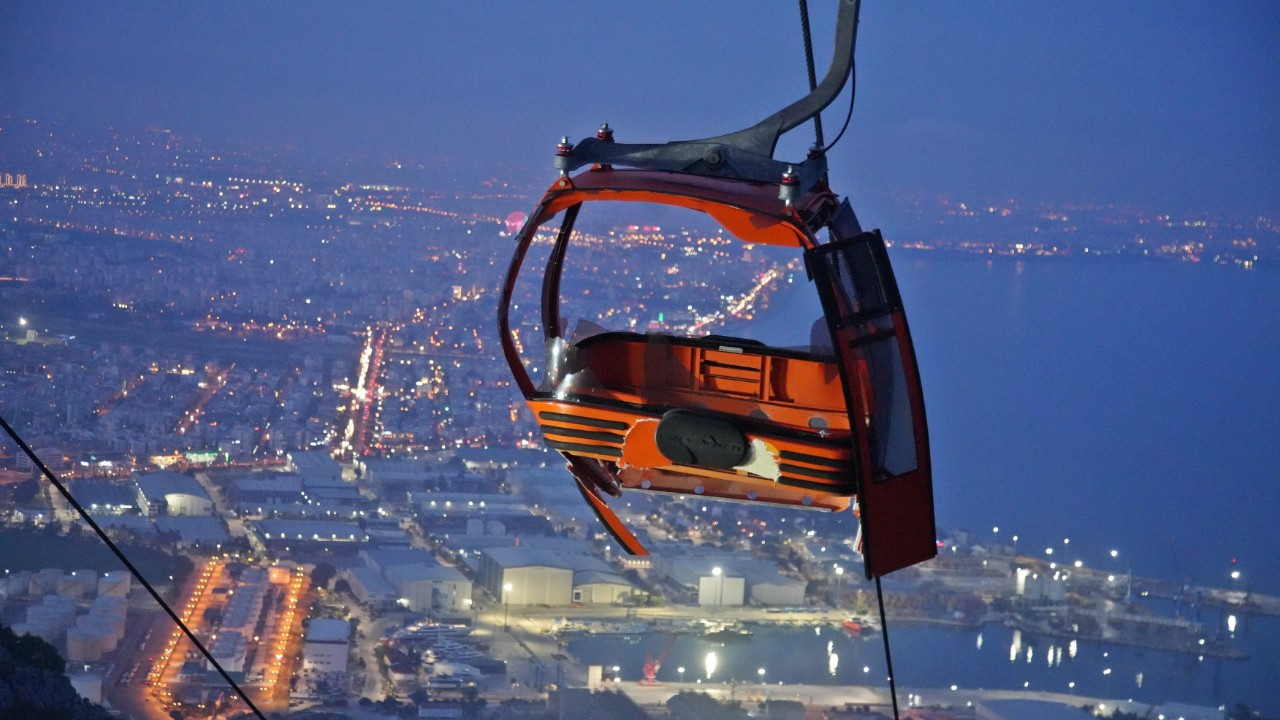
[836, 424]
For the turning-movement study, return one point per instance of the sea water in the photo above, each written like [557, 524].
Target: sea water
[1085, 406]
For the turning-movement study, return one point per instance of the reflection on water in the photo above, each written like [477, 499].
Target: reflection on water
[931, 657]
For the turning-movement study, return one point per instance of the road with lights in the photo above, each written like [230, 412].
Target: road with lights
[272, 655]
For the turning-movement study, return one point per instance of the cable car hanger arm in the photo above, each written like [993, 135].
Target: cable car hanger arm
[746, 154]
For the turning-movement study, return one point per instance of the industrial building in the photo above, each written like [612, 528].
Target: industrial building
[168, 493]
[298, 511]
[314, 465]
[439, 503]
[492, 458]
[264, 489]
[593, 587]
[369, 587]
[326, 647]
[539, 576]
[103, 496]
[245, 601]
[719, 579]
[381, 559]
[276, 531]
[334, 493]
[426, 588]
[708, 579]
[229, 650]
[769, 587]
[721, 590]
[194, 531]
[521, 576]
[417, 580]
[386, 472]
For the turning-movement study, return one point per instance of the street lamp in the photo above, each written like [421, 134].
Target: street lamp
[760, 672]
[839, 585]
[719, 585]
[506, 604]
[681, 671]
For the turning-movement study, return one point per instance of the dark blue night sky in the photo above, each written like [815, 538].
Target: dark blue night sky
[1164, 104]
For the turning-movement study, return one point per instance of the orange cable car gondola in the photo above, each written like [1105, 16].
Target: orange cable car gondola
[836, 425]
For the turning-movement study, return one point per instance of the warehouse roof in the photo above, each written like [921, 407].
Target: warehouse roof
[155, 486]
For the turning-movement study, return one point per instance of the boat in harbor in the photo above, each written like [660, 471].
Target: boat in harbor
[726, 633]
[429, 631]
[451, 650]
[602, 627]
[860, 626]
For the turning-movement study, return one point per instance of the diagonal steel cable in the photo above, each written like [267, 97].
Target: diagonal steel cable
[124, 559]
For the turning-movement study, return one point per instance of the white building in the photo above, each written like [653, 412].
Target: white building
[168, 493]
[451, 590]
[721, 590]
[593, 587]
[534, 577]
[229, 650]
[244, 606]
[423, 588]
[369, 587]
[770, 587]
[326, 646]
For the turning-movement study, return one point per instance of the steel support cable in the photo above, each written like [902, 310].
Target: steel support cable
[819, 148]
[808, 62]
[124, 559]
[888, 657]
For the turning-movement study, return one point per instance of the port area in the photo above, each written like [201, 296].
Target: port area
[533, 643]
[965, 591]
[1038, 596]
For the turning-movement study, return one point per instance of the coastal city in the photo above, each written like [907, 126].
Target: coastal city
[278, 388]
